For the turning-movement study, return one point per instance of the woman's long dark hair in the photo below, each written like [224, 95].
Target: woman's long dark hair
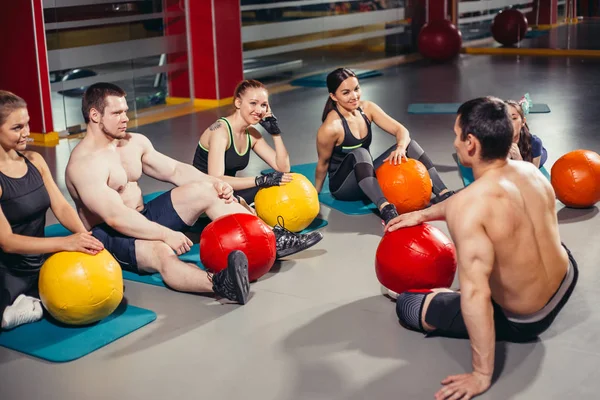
[524, 136]
[334, 80]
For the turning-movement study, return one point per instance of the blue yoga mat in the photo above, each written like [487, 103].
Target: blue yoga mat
[467, 177]
[325, 197]
[52, 341]
[535, 34]
[320, 80]
[452, 108]
[56, 230]
[151, 196]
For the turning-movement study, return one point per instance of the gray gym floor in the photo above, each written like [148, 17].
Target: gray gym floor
[317, 326]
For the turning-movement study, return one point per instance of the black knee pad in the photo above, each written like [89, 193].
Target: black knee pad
[409, 307]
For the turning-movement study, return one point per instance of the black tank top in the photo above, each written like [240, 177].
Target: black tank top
[24, 202]
[234, 161]
[349, 143]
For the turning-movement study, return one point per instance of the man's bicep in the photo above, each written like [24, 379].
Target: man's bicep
[95, 194]
[154, 163]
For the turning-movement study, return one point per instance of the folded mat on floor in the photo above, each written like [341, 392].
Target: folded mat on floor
[532, 34]
[467, 177]
[320, 80]
[53, 341]
[325, 197]
[452, 108]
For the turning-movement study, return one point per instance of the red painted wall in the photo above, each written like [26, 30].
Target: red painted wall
[20, 73]
[229, 45]
[216, 71]
[179, 81]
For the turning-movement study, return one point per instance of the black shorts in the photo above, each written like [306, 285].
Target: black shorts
[445, 314]
[14, 283]
[159, 210]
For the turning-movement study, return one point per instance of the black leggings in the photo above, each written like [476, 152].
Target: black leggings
[355, 177]
[445, 313]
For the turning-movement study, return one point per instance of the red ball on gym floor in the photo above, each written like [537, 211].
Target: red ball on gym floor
[244, 232]
[419, 257]
[439, 40]
[509, 26]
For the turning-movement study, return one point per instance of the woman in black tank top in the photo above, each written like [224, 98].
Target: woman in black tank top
[347, 160]
[218, 155]
[27, 191]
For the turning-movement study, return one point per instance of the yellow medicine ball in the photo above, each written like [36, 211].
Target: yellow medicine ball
[79, 289]
[297, 202]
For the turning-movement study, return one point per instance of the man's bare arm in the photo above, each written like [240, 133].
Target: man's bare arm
[476, 260]
[166, 169]
[100, 199]
[437, 212]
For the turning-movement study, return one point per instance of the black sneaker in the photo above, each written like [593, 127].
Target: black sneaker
[388, 213]
[288, 243]
[232, 282]
[442, 197]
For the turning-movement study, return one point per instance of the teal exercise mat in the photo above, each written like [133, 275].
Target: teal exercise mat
[325, 197]
[56, 230]
[466, 174]
[317, 223]
[320, 80]
[467, 177]
[452, 108]
[55, 342]
[151, 196]
[532, 34]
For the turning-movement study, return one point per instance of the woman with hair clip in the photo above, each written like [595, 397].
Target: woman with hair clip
[526, 146]
[224, 149]
[343, 142]
[27, 191]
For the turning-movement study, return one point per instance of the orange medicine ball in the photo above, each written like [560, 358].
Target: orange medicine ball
[575, 178]
[406, 185]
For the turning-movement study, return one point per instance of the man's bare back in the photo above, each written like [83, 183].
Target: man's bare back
[515, 275]
[119, 165]
[516, 206]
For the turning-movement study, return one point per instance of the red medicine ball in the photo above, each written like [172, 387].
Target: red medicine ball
[439, 40]
[244, 232]
[509, 26]
[419, 257]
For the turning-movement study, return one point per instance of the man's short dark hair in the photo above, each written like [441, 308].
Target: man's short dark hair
[488, 119]
[95, 97]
